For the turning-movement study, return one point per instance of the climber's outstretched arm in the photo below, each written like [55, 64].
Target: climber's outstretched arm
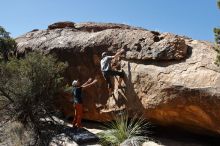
[118, 53]
[89, 84]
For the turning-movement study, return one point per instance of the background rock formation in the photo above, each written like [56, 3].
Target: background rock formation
[170, 79]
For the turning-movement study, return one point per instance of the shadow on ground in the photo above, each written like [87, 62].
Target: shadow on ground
[174, 136]
[59, 134]
[171, 136]
[167, 136]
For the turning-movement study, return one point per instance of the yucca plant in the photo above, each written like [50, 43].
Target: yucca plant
[125, 131]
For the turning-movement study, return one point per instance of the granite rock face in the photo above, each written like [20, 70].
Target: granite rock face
[170, 79]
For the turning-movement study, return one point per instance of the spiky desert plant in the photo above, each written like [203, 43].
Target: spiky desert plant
[131, 131]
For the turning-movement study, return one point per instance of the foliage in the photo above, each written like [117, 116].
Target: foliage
[28, 89]
[127, 130]
[4, 33]
[217, 40]
[218, 3]
[7, 44]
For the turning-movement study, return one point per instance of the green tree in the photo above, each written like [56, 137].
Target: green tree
[218, 3]
[217, 40]
[7, 44]
[28, 89]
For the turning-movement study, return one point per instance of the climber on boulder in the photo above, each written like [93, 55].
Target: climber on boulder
[77, 99]
[108, 72]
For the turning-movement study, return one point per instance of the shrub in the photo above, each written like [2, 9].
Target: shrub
[28, 90]
[217, 40]
[125, 130]
[7, 44]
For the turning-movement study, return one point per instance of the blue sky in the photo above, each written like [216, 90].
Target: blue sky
[193, 18]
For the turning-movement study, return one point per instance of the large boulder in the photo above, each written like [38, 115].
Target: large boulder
[170, 79]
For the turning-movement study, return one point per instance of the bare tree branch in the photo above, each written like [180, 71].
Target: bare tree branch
[6, 95]
[5, 106]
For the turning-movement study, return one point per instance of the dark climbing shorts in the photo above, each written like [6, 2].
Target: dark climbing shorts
[109, 73]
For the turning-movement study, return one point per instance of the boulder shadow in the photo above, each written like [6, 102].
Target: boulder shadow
[133, 102]
[58, 134]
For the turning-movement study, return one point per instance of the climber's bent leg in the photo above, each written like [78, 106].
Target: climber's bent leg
[117, 73]
[108, 80]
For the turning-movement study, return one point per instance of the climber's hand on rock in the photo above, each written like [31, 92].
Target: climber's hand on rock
[122, 50]
[90, 79]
